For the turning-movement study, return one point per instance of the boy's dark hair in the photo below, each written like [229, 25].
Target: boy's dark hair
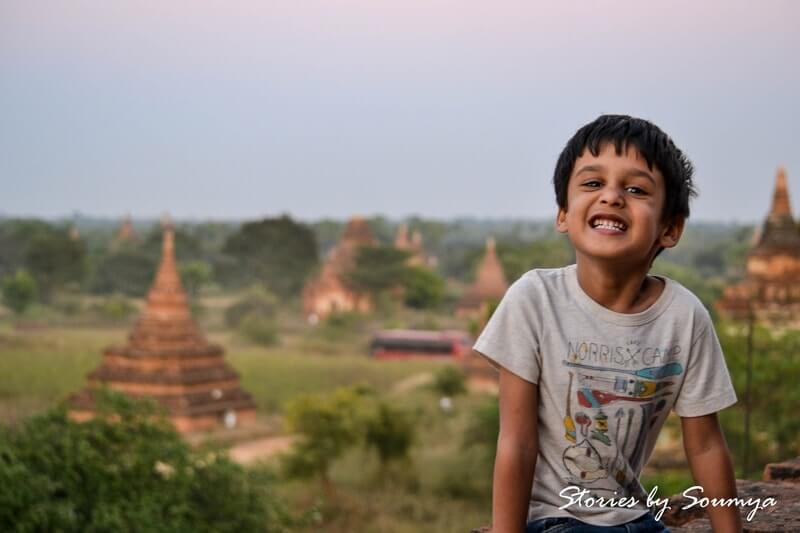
[653, 144]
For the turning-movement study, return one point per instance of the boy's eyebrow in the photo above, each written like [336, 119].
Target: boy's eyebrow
[631, 172]
[591, 168]
[642, 173]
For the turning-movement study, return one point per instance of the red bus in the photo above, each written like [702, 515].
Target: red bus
[407, 343]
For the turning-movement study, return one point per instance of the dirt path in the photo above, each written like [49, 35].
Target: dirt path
[256, 450]
[250, 451]
[412, 382]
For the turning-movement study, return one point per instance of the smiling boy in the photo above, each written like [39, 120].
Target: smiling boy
[593, 356]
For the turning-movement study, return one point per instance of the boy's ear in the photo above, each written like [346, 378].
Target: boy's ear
[671, 233]
[561, 220]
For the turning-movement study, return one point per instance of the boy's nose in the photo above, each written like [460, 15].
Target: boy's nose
[613, 196]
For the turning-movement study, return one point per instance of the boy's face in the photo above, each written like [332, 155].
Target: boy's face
[614, 208]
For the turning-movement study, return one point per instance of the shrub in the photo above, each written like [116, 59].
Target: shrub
[327, 425]
[482, 430]
[19, 291]
[256, 301]
[390, 432]
[259, 329]
[125, 470]
[449, 381]
[424, 289]
[114, 307]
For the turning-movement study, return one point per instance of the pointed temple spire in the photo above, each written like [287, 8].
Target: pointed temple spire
[781, 206]
[126, 232]
[416, 240]
[358, 233]
[167, 358]
[770, 290]
[327, 292]
[401, 239]
[779, 230]
[490, 282]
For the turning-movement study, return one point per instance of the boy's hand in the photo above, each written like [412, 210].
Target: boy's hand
[517, 448]
[711, 467]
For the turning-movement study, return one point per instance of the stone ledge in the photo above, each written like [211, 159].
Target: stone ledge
[783, 517]
[785, 471]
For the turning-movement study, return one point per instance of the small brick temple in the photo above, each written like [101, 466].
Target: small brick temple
[771, 287]
[167, 358]
[489, 287]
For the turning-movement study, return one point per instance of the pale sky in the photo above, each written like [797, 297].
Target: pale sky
[332, 108]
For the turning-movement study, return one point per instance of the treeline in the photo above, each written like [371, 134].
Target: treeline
[39, 259]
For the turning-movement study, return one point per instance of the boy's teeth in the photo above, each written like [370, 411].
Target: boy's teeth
[609, 224]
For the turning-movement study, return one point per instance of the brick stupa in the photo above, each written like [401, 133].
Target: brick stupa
[771, 287]
[328, 292]
[489, 287]
[167, 358]
[411, 245]
[126, 234]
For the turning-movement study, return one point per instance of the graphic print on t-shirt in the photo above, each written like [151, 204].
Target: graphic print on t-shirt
[633, 391]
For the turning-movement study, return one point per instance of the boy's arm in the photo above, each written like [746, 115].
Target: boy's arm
[517, 448]
[712, 468]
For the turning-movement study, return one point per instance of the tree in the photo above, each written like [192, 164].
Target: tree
[55, 260]
[543, 253]
[327, 426]
[125, 470]
[127, 271]
[19, 291]
[449, 381]
[390, 432]
[278, 252]
[259, 329]
[15, 236]
[424, 289]
[257, 300]
[195, 274]
[187, 247]
[378, 269]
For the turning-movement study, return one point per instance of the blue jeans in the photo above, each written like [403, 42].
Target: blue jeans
[644, 524]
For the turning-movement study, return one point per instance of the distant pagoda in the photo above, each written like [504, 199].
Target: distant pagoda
[167, 358]
[489, 287]
[771, 287]
[328, 292]
[126, 233]
[413, 245]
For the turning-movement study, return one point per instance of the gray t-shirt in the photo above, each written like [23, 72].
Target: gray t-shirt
[607, 382]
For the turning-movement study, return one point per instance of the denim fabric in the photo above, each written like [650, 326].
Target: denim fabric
[644, 524]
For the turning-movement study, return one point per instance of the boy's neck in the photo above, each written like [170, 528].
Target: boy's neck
[622, 290]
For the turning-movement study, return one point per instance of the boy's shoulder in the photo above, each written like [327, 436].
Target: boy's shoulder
[685, 302]
[538, 278]
[559, 285]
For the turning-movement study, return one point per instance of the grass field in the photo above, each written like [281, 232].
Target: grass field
[442, 487]
[41, 367]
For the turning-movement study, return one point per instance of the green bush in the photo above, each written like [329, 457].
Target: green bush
[125, 470]
[328, 425]
[259, 329]
[424, 289]
[339, 326]
[449, 381]
[19, 291]
[114, 307]
[257, 300]
[482, 430]
[390, 432]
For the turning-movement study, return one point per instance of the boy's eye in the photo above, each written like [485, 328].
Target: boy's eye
[636, 190]
[592, 183]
